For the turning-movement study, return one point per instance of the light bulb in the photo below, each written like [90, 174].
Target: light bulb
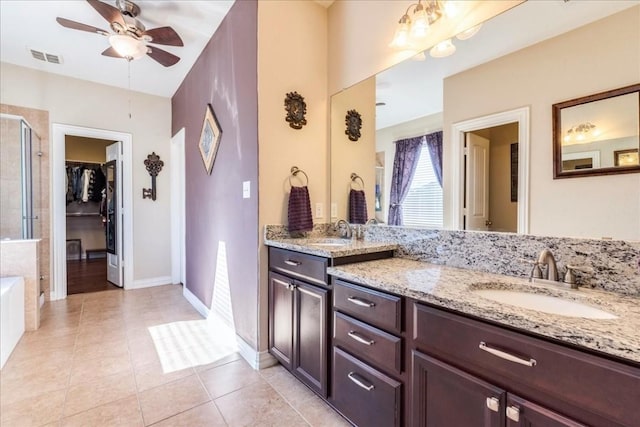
[467, 34]
[401, 37]
[420, 24]
[442, 49]
[451, 9]
[128, 47]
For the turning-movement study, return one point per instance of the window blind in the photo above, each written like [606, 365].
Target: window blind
[423, 205]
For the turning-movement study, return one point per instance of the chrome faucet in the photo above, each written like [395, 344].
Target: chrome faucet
[371, 221]
[344, 231]
[546, 258]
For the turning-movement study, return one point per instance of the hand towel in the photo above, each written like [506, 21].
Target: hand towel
[357, 207]
[299, 211]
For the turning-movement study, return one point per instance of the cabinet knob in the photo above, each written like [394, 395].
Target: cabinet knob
[493, 403]
[513, 413]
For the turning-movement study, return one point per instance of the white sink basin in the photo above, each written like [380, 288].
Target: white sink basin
[544, 303]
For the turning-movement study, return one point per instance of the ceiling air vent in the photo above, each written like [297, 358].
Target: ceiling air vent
[46, 57]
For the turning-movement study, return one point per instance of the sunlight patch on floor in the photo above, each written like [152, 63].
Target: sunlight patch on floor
[186, 344]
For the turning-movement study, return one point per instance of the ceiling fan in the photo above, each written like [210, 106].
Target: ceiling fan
[130, 37]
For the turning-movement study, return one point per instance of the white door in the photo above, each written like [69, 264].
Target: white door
[113, 233]
[477, 184]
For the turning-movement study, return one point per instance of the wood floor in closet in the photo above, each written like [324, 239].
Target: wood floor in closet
[87, 276]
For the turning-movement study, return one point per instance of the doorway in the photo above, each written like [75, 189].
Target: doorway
[87, 199]
[92, 253]
[458, 163]
[491, 179]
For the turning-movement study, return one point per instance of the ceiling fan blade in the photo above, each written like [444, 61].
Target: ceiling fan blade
[162, 56]
[164, 35]
[111, 52]
[108, 12]
[82, 27]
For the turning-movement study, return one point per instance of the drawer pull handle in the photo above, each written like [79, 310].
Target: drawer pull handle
[493, 404]
[361, 302]
[513, 413]
[355, 336]
[360, 383]
[504, 355]
[291, 262]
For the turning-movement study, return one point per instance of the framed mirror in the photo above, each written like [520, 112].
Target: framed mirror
[597, 134]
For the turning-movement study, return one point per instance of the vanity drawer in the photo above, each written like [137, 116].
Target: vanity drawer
[369, 343]
[364, 395]
[564, 379]
[302, 266]
[379, 309]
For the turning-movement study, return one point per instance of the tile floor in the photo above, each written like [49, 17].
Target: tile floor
[139, 358]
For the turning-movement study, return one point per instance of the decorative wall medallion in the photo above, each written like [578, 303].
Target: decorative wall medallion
[353, 121]
[296, 109]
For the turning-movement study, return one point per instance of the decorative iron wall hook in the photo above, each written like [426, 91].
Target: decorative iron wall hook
[154, 166]
[296, 110]
[353, 120]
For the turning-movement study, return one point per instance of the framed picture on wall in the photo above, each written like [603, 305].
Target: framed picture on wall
[626, 157]
[209, 138]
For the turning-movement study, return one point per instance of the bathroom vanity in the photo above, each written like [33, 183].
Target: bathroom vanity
[401, 342]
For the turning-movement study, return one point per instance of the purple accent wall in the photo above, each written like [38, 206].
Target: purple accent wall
[225, 76]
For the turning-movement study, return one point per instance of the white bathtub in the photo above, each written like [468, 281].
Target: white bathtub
[11, 315]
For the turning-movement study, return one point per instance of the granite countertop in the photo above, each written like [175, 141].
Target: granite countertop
[452, 288]
[331, 247]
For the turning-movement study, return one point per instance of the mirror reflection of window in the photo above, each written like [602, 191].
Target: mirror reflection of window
[422, 207]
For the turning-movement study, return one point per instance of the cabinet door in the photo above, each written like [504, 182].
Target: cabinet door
[281, 319]
[522, 413]
[310, 326]
[444, 396]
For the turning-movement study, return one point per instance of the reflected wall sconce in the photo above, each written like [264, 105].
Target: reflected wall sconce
[154, 166]
[353, 120]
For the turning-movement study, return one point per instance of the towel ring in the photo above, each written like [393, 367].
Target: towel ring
[294, 172]
[354, 178]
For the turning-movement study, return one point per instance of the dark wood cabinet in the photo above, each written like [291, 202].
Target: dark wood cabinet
[310, 336]
[446, 396]
[366, 396]
[281, 319]
[299, 316]
[522, 413]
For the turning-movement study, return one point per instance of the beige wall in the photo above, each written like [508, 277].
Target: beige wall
[385, 139]
[77, 102]
[360, 33]
[292, 56]
[82, 149]
[539, 76]
[357, 157]
[503, 213]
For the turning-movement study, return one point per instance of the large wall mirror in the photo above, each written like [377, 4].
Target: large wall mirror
[597, 134]
[410, 101]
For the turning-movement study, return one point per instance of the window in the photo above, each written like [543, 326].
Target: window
[423, 205]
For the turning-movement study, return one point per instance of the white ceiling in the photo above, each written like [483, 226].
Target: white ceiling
[413, 89]
[32, 24]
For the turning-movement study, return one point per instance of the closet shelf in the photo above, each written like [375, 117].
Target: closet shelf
[84, 214]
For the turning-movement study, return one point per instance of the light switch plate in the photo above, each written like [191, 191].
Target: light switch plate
[246, 189]
[319, 210]
[334, 210]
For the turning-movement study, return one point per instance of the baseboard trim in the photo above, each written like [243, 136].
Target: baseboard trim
[147, 283]
[257, 359]
[196, 303]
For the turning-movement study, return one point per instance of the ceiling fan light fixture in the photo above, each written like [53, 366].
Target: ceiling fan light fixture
[128, 47]
[442, 49]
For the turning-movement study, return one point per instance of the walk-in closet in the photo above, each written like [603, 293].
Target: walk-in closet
[87, 184]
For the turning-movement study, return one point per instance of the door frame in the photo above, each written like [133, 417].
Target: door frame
[58, 211]
[178, 257]
[519, 115]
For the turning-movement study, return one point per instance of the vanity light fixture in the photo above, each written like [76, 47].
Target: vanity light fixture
[581, 132]
[413, 26]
